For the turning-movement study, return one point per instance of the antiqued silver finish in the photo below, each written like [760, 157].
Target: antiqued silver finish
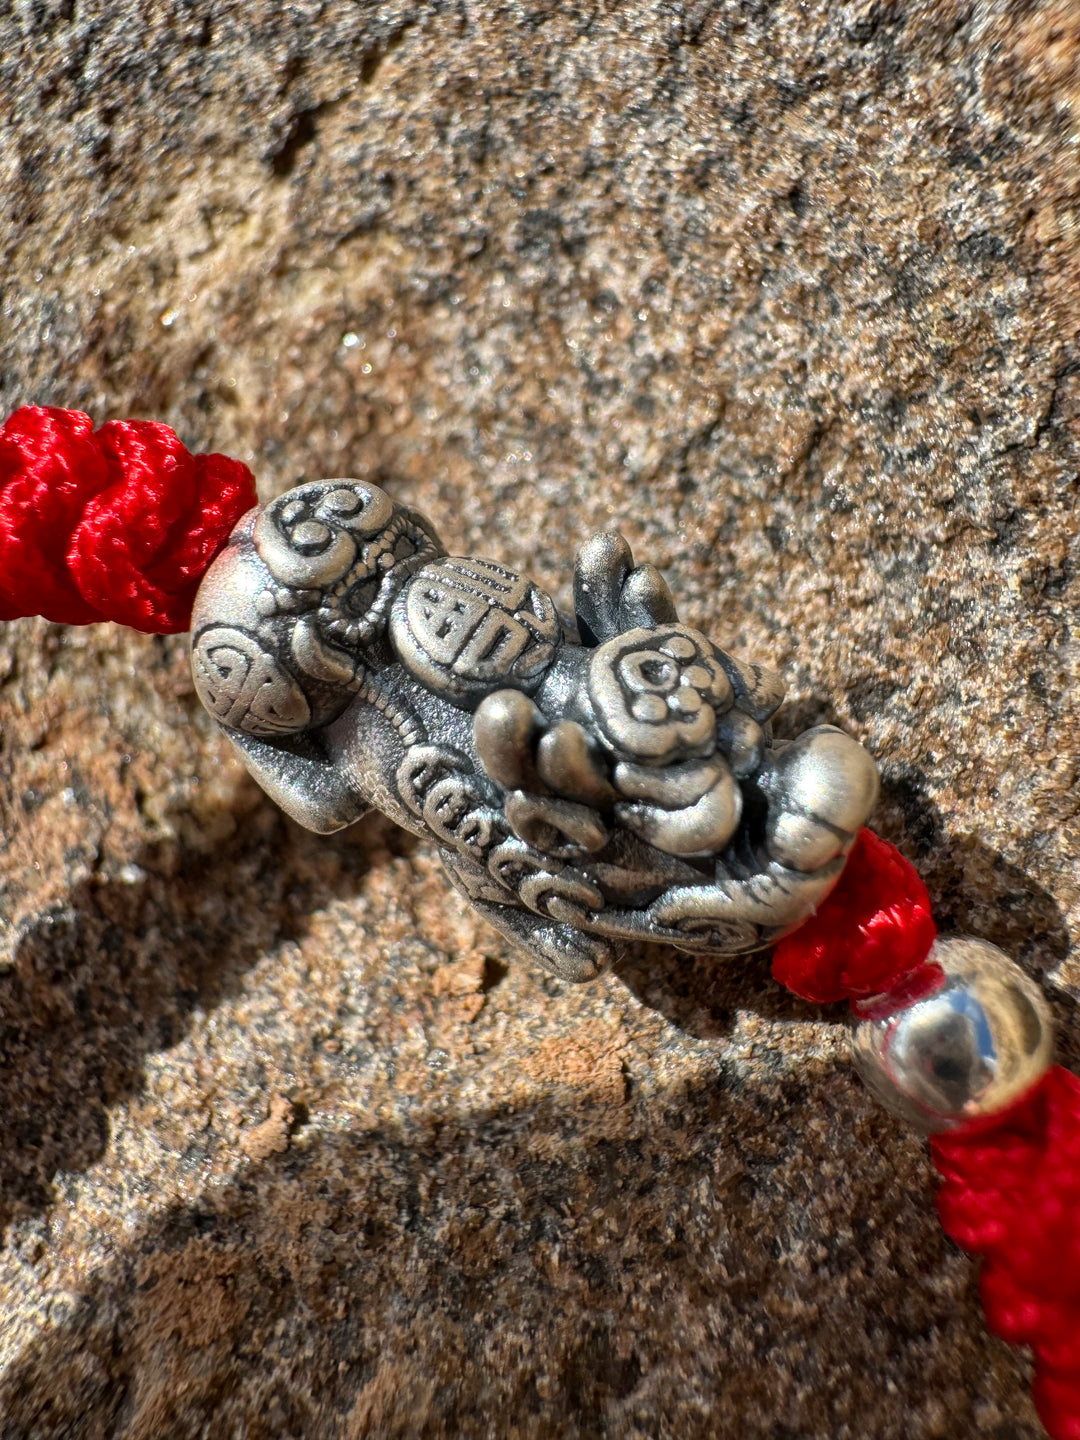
[591, 782]
[469, 626]
[965, 1038]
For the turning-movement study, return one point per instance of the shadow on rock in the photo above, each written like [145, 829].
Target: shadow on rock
[116, 972]
[701, 994]
[559, 1269]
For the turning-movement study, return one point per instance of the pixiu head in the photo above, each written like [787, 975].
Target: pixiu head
[288, 612]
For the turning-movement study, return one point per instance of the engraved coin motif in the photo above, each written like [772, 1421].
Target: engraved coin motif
[467, 627]
[656, 693]
[436, 784]
[244, 686]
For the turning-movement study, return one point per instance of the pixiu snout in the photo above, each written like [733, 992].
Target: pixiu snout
[591, 781]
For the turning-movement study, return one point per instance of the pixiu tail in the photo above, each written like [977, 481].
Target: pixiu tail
[122, 523]
[117, 524]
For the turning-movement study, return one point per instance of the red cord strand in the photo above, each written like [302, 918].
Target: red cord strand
[118, 524]
[871, 931]
[1012, 1194]
[1011, 1188]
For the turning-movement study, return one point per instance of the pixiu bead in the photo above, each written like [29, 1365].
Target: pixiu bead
[590, 780]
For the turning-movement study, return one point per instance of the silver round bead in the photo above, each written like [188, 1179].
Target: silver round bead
[969, 1036]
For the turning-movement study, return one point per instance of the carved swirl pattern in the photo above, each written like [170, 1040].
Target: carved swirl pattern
[454, 810]
[436, 784]
[345, 548]
[542, 883]
[729, 936]
[656, 693]
[309, 537]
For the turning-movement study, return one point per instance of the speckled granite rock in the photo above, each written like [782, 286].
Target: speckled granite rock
[292, 1146]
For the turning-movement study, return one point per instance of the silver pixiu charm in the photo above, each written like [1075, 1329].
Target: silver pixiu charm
[590, 782]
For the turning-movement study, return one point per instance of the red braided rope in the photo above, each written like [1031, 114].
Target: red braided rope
[121, 524]
[873, 929]
[1012, 1195]
[115, 524]
[1011, 1190]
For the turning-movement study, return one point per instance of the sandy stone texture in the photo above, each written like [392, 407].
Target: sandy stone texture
[292, 1146]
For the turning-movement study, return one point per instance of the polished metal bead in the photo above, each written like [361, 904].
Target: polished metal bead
[969, 1037]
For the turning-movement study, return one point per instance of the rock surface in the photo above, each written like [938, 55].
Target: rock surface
[293, 1147]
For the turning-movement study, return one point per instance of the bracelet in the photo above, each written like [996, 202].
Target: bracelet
[591, 782]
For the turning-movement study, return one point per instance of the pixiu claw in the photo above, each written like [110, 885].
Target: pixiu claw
[590, 782]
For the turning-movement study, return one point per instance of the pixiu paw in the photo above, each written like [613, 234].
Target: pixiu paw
[570, 954]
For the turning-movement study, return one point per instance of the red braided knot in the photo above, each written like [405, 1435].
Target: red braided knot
[1011, 1189]
[1012, 1195]
[873, 929]
[120, 524]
